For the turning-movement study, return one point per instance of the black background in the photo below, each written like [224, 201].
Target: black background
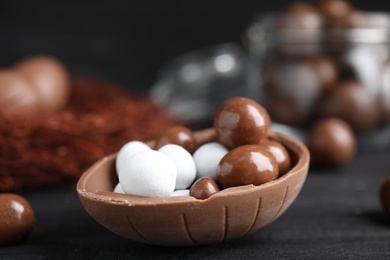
[126, 41]
[338, 213]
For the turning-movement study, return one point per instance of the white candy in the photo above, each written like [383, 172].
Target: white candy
[185, 165]
[148, 173]
[118, 189]
[207, 158]
[177, 193]
[127, 151]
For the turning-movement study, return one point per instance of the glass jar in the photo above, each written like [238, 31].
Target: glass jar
[303, 74]
[192, 86]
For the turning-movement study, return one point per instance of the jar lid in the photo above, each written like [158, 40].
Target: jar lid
[267, 28]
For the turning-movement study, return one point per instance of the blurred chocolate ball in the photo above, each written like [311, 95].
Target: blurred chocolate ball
[49, 78]
[16, 94]
[295, 86]
[300, 15]
[335, 9]
[340, 14]
[331, 142]
[325, 69]
[313, 74]
[353, 103]
[284, 110]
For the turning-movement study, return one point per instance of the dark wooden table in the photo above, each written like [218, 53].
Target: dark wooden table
[336, 216]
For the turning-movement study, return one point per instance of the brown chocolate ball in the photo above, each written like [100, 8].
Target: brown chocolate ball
[384, 195]
[334, 9]
[300, 15]
[281, 155]
[331, 142]
[49, 78]
[179, 135]
[295, 86]
[283, 109]
[325, 69]
[353, 103]
[241, 121]
[340, 14]
[203, 188]
[17, 94]
[247, 164]
[17, 218]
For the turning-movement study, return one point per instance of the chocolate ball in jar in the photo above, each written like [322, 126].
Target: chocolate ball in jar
[338, 14]
[283, 109]
[341, 15]
[240, 121]
[17, 218]
[353, 103]
[334, 9]
[325, 69]
[331, 142]
[284, 101]
[300, 15]
[296, 85]
[320, 70]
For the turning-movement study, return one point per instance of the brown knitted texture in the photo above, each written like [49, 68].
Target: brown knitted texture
[52, 149]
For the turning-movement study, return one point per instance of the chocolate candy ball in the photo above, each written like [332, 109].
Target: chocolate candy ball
[241, 121]
[340, 14]
[335, 9]
[17, 218]
[300, 15]
[16, 94]
[284, 109]
[203, 188]
[49, 78]
[247, 164]
[281, 155]
[353, 103]
[179, 135]
[295, 86]
[384, 195]
[331, 142]
[325, 70]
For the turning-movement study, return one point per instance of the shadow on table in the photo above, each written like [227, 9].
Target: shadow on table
[380, 218]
